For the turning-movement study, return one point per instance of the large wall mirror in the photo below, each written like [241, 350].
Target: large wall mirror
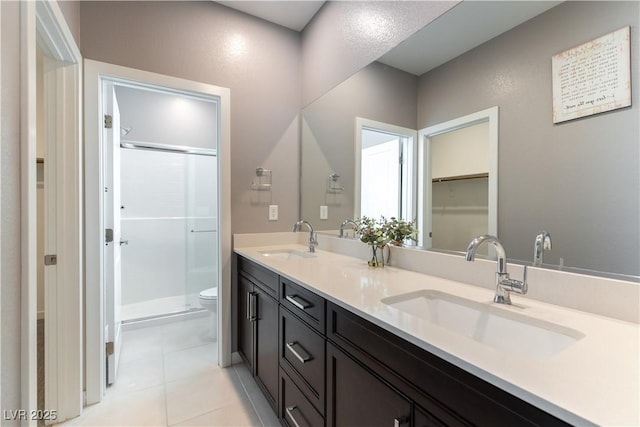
[578, 180]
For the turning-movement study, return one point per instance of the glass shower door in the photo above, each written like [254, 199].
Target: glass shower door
[201, 233]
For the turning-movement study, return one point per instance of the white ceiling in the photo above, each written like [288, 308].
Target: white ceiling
[465, 26]
[291, 14]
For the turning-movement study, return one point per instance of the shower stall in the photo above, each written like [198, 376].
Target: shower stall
[169, 225]
[169, 203]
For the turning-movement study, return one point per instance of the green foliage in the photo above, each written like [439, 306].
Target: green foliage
[383, 231]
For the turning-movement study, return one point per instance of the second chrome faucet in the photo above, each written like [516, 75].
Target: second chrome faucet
[504, 284]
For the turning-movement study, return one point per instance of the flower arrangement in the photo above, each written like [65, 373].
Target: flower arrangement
[377, 234]
[401, 231]
[394, 231]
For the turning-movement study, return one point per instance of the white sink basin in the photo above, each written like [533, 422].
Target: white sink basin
[496, 327]
[286, 254]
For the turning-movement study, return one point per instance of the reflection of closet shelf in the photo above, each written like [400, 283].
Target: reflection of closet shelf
[461, 177]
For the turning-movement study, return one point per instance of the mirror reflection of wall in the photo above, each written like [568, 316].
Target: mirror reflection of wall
[379, 93]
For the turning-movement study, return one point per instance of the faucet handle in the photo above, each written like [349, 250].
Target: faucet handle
[513, 285]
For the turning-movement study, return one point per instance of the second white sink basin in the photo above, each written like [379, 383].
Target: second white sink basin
[499, 328]
[287, 254]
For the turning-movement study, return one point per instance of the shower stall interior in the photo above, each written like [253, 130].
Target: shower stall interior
[169, 202]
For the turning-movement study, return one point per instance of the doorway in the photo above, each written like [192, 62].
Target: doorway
[458, 181]
[161, 232]
[51, 214]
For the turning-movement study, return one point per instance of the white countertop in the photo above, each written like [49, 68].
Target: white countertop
[596, 380]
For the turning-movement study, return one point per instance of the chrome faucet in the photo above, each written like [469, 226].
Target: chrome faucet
[344, 223]
[543, 242]
[504, 284]
[312, 236]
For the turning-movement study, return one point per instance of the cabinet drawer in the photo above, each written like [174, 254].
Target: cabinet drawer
[302, 356]
[447, 392]
[309, 306]
[259, 275]
[295, 409]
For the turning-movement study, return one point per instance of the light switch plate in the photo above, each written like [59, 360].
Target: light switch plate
[324, 212]
[273, 212]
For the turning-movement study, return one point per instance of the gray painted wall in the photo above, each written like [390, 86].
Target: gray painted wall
[71, 11]
[579, 180]
[336, 43]
[210, 43]
[378, 92]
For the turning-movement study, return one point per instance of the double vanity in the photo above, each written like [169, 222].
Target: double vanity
[334, 342]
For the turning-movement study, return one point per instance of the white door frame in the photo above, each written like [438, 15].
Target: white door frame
[425, 176]
[95, 72]
[43, 24]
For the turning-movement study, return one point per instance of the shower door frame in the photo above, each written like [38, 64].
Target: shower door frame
[95, 73]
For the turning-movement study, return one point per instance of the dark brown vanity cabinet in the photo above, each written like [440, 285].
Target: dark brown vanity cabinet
[357, 397]
[257, 316]
[323, 365]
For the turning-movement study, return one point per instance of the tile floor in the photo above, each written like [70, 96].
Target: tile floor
[168, 376]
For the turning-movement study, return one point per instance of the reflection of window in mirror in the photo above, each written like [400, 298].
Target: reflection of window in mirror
[384, 160]
[381, 174]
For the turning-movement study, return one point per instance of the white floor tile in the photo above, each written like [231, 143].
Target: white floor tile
[236, 414]
[194, 396]
[186, 334]
[191, 362]
[263, 409]
[140, 408]
[141, 344]
[138, 374]
[169, 374]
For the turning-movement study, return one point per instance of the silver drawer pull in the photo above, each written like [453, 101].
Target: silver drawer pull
[301, 354]
[289, 410]
[302, 304]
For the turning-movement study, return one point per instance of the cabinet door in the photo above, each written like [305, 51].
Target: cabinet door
[266, 343]
[357, 397]
[245, 323]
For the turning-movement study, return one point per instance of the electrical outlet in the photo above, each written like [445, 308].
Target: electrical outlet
[273, 212]
[324, 212]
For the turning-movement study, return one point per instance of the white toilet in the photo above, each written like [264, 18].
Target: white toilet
[209, 300]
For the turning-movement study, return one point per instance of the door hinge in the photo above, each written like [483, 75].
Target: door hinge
[50, 259]
[108, 235]
[109, 348]
[108, 121]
